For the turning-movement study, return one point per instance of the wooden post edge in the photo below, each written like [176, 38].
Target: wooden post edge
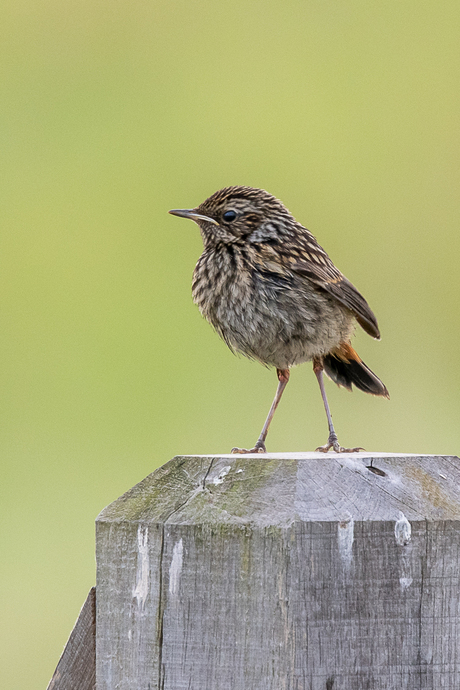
[76, 669]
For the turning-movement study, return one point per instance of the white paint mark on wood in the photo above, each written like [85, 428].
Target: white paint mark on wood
[222, 474]
[355, 464]
[403, 538]
[141, 590]
[130, 634]
[175, 568]
[402, 530]
[346, 538]
[395, 479]
[405, 582]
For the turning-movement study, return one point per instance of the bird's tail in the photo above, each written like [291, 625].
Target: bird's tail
[346, 368]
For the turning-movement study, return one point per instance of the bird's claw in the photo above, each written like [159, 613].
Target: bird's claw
[333, 443]
[258, 448]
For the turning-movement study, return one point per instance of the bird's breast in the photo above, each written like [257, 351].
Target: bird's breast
[262, 310]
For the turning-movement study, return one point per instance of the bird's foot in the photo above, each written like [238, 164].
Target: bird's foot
[333, 443]
[258, 448]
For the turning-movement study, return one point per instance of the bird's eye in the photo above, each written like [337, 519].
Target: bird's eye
[229, 216]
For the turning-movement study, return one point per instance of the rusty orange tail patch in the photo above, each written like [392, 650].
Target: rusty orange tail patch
[346, 353]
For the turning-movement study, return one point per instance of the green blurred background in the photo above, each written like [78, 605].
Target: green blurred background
[111, 114]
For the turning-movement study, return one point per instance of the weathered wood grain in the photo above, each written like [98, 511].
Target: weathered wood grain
[76, 669]
[283, 572]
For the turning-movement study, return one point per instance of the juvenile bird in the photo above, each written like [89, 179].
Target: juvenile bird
[273, 294]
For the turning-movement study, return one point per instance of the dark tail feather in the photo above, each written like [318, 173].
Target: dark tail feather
[346, 368]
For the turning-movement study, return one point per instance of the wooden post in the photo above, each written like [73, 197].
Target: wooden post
[282, 572]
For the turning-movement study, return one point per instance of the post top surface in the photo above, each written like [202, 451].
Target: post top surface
[313, 455]
[278, 489]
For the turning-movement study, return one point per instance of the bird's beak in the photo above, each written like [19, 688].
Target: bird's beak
[192, 214]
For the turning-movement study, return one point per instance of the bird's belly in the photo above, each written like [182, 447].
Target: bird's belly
[277, 327]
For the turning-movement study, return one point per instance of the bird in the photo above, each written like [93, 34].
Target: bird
[273, 294]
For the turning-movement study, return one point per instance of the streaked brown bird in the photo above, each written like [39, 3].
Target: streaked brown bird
[273, 294]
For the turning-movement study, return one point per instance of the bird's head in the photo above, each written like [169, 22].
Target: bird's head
[236, 215]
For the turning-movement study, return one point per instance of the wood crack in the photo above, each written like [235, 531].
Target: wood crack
[162, 597]
[201, 486]
[424, 566]
[160, 621]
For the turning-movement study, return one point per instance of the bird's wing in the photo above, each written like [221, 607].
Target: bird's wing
[315, 265]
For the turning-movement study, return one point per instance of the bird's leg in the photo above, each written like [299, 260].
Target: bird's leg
[332, 441]
[283, 378]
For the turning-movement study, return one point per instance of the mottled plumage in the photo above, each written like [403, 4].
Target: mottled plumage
[273, 294]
